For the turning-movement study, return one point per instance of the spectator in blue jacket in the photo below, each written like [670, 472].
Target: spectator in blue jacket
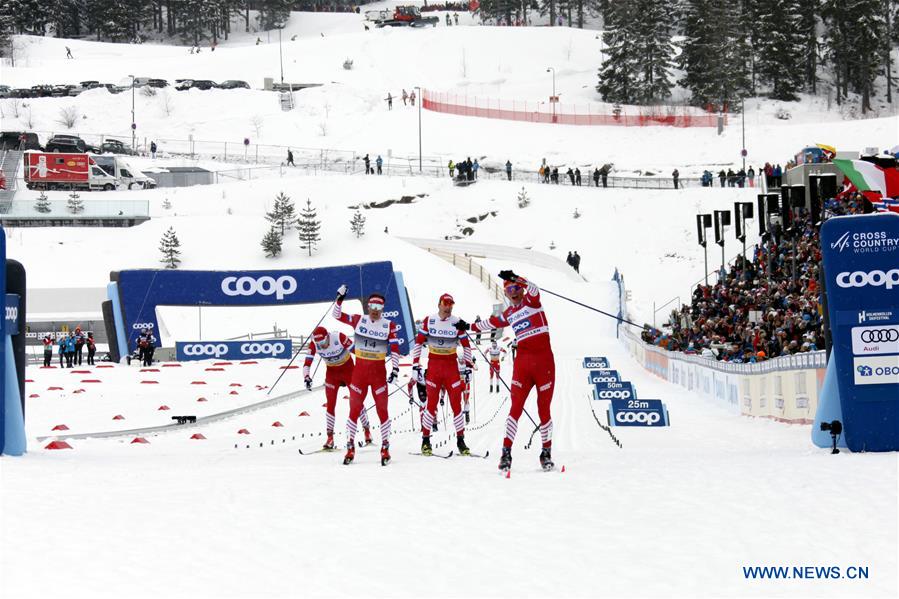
[62, 351]
[475, 167]
[378, 163]
[70, 350]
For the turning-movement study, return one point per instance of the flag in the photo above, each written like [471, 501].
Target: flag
[867, 176]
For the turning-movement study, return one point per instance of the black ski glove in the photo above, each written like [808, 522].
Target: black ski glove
[461, 325]
[508, 275]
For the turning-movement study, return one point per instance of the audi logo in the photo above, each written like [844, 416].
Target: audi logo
[880, 335]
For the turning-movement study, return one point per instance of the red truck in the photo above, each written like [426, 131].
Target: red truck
[65, 171]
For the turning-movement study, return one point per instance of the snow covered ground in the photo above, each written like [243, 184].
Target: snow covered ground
[675, 512]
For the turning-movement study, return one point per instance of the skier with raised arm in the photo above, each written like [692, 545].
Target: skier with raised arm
[373, 337]
[334, 349]
[534, 364]
[440, 333]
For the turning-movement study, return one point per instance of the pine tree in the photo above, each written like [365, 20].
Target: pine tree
[167, 204]
[271, 243]
[618, 72]
[75, 203]
[716, 56]
[855, 33]
[309, 228]
[523, 200]
[169, 247]
[273, 14]
[42, 203]
[779, 42]
[357, 225]
[654, 52]
[283, 214]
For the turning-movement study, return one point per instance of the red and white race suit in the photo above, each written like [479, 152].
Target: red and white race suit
[534, 364]
[442, 338]
[338, 373]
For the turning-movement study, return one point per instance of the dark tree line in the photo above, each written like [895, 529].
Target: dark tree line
[194, 21]
[734, 49]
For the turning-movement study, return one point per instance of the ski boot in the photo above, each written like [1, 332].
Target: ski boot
[546, 459]
[385, 455]
[329, 443]
[350, 453]
[505, 460]
[460, 444]
[426, 446]
[368, 440]
[491, 387]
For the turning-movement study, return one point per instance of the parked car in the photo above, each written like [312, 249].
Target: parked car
[10, 140]
[61, 91]
[157, 83]
[22, 92]
[42, 91]
[203, 84]
[90, 84]
[183, 84]
[70, 144]
[115, 146]
[234, 84]
[4, 91]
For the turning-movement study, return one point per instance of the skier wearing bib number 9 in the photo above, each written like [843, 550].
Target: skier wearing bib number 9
[373, 336]
[334, 349]
[533, 366]
[439, 332]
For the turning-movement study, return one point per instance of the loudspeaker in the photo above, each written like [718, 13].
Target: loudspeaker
[763, 214]
[827, 186]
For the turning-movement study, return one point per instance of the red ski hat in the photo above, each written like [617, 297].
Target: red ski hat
[376, 298]
[446, 298]
[319, 334]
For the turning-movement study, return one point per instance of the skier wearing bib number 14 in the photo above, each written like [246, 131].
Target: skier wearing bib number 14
[373, 336]
[334, 349]
[534, 364]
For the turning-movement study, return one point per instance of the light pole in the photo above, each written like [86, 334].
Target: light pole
[743, 125]
[552, 99]
[133, 124]
[420, 100]
[280, 56]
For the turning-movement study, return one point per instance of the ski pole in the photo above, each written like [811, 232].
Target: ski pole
[302, 345]
[536, 426]
[618, 318]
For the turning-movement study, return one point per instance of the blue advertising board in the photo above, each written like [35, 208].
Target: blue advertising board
[140, 292]
[12, 314]
[861, 268]
[619, 390]
[638, 412]
[186, 351]
[603, 376]
[596, 362]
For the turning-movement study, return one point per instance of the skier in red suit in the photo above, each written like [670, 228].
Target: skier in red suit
[373, 338]
[334, 349]
[439, 332]
[534, 364]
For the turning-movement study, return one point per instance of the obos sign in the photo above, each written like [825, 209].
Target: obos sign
[638, 412]
[861, 254]
[233, 350]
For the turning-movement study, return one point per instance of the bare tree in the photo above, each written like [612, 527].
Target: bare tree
[68, 116]
[165, 100]
[28, 118]
[15, 106]
[257, 121]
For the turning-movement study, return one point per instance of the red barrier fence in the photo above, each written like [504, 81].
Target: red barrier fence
[568, 114]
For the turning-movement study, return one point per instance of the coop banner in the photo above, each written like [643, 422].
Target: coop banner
[233, 350]
[634, 412]
[616, 390]
[861, 267]
[142, 291]
[596, 362]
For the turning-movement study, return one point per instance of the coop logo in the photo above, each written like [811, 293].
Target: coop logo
[280, 287]
[266, 349]
[617, 394]
[212, 350]
[877, 370]
[596, 362]
[866, 242]
[647, 418]
[874, 278]
[139, 326]
[12, 313]
[521, 325]
[598, 377]
[391, 314]
[636, 412]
